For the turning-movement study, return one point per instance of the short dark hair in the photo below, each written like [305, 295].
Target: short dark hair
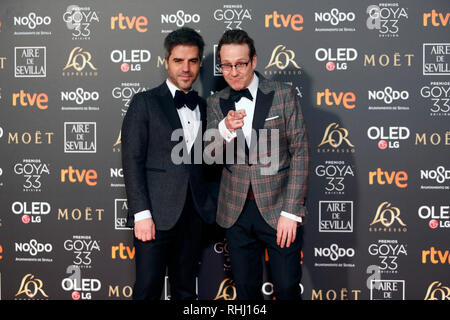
[237, 36]
[184, 36]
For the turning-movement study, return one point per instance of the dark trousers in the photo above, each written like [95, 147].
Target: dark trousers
[246, 240]
[178, 250]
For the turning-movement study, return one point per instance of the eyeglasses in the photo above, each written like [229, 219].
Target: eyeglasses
[227, 67]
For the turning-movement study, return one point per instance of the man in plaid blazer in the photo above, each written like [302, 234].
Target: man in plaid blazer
[261, 204]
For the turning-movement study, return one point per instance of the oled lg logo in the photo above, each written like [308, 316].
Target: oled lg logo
[437, 216]
[82, 288]
[32, 212]
[131, 60]
[336, 59]
[388, 137]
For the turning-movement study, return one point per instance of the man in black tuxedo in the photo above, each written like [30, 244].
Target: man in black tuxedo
[167, 202]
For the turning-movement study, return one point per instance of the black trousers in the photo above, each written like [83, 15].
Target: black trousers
[247, 240]
[178, 250]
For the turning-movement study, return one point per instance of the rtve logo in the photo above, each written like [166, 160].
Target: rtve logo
[123, 252]
[399, 178]
[124, 22]
[74, 175]
[26, 99]
[436, 256]
[295, 22]
[330, 98]
[435, 22]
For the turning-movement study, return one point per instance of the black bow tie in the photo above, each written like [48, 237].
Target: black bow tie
[236, 95]
[189, 99]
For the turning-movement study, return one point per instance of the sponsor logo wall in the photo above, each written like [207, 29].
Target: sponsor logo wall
[373, 79]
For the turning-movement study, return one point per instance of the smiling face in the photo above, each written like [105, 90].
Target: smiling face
[235, 53]
[183, 66]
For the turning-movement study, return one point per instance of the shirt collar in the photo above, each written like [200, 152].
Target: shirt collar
[173, 88]
[253, 87]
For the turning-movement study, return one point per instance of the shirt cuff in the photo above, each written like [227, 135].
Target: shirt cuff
[225, 133]
[142, 215]
[291, 216]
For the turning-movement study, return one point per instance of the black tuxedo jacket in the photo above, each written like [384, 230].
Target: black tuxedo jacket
[152, 180]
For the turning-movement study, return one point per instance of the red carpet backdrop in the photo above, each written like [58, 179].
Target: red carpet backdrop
[373, 79]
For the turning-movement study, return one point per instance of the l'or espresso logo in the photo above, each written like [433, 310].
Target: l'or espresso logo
[120, 214]
[79, 63]
[387, 219]
[125, 92]
[386, 18]
[388, 252]
[335, 216]
[386, 60]
[336, 99]
[30, 62]
[336, 59]
[388, 137]
[434, 256]
[80, 137]
[391, 99]
[140, 24]
[438, 216]
[83, 214]
[436, 59]
[27, 99]
[232, 15]
[436, 19]
[397, 178]
[79, 176]
[226, 291]
[331, 21]
[282, 61]
[387, 289]
[30, 23]
[335, 140]
[437, 95]
[281, 20]
[81, 288]
[32, 170]
[130, 60]
[79, 20]
[82, 247]
[118, 143]
[31, 212]
[437, 291]
[31, 288]
[335, 173]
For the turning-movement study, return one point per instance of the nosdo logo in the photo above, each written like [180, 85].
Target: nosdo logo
[79, 96]
[32, 20]
[334, 16]
[180, 18]
[388, 95]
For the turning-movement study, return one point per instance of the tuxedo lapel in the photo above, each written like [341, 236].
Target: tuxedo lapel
[167, 105]
[262, 107]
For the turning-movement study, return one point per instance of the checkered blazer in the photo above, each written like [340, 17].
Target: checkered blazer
[277, 107]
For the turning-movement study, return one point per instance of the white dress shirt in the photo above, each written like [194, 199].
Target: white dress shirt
[249, 107]
[190, 121]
